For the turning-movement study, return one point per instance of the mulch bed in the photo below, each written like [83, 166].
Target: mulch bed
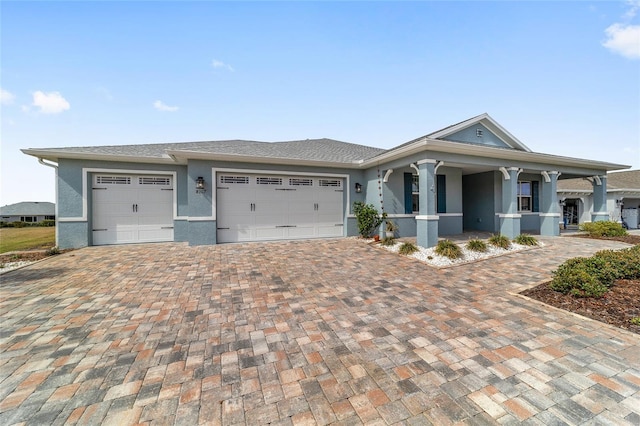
[617, 307]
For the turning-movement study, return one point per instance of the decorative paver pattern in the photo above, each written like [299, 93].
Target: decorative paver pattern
[304, 332]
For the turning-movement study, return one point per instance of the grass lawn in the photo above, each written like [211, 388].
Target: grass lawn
[38, 237]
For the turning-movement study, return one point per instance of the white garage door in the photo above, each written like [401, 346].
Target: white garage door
[268, 207]
[132, 209]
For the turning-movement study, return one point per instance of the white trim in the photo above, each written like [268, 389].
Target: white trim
[415, 168]
[599, 213]
[484, 151]
[385, 179]
[487, 122]
[426, 161]
[85, 189]
[550, 215]
[505, 173]
[440, 163]
[215, 171]
[200, 218]
[546, 177]
[427, 217]
[401, 215]
[509, 215]
[519, 171]
[71, 219]
[199, 155]
[450, 214]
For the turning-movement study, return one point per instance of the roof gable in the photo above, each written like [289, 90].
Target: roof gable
[480, 130]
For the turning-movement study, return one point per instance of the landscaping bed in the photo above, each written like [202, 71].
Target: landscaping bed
[618, 306]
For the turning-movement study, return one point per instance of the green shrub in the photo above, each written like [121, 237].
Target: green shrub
[603, 228]
[19, 224]
[635, 320]
[367, 217]
[47, 223]
[388, 241]
[477, 245]
[500, 241]
[53, 251]
[592, 276]
[525, 240]
[626, 262]
[448, 248]
[407, 248]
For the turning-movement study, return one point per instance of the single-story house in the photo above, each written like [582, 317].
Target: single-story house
[623, 198]
[28, 211]
[473, 175]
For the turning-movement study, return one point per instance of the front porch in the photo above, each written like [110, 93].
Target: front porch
[460, 198]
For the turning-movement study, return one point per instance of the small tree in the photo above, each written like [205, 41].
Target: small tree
[368, 218]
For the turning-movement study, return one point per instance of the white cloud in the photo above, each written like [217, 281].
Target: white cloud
[219, 64]
[634, 6]
[161, 106]
[623, 38]
[50, 103]
[6, 97]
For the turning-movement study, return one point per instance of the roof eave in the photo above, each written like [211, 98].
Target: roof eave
[183, 156]
[56, 155]
[489, 152]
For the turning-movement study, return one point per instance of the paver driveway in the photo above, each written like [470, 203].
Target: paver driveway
[306, 332]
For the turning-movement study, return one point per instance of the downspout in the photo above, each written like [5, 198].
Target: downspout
[54, 166]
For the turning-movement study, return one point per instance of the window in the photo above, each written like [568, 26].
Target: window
[415, 193]
[29, 219]
[524, 196]
[441, 194]
[49, 218]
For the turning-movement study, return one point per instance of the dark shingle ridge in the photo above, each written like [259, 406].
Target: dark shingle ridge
[308, 149]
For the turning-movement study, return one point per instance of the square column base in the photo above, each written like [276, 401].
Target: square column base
[550, 225]
[427, 231]
[599, 216]
[510, 225]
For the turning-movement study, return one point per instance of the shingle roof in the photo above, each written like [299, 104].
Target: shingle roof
[309, 149]
[629, 179]
[29, 208]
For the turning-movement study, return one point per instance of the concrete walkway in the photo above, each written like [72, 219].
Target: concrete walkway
[306, 332]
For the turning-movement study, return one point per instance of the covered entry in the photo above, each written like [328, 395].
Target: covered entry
[254, 207]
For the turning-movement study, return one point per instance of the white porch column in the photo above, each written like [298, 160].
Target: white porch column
[427, 220]
[509, 218]
[549, 209]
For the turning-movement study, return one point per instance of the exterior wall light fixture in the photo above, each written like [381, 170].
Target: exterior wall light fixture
[358, 188]
[200, 182]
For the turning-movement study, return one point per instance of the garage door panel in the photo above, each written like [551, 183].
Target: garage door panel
[154, 233]
[302, 231]
[269, 233]
[329, 230]
[280, 207]
[132, 209]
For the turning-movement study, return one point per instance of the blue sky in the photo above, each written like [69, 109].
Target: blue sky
[563, 77]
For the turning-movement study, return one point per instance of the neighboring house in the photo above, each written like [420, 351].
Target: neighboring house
[623, 198]
[28, 211]
[474, 175]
